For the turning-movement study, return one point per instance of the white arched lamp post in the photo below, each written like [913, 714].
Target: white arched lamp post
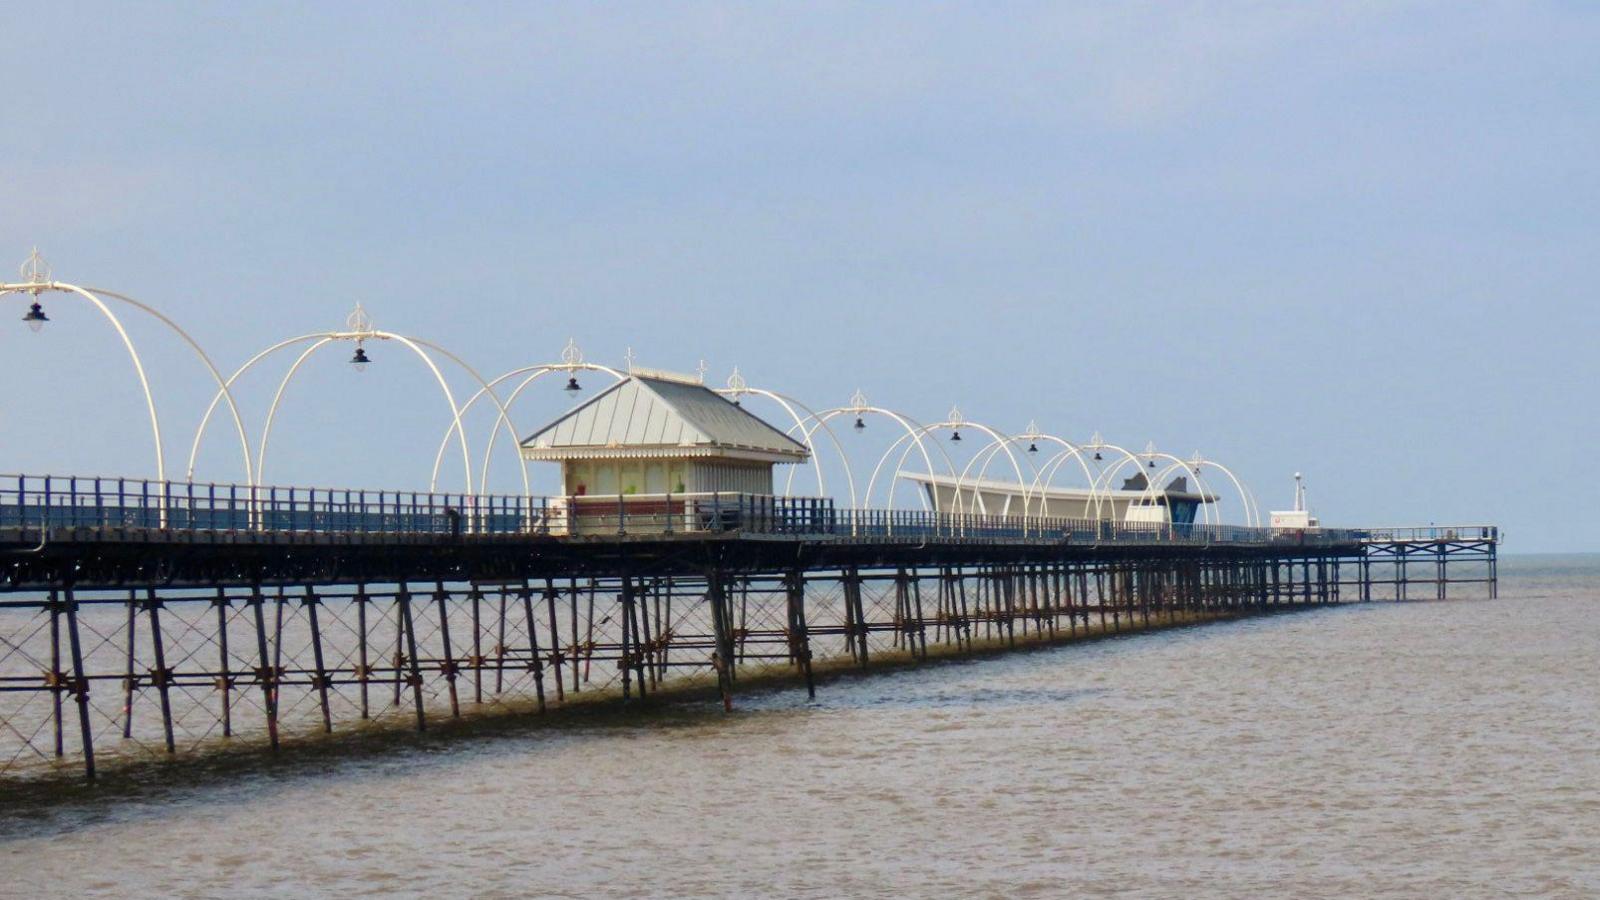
[571, 363]
[912, 431]
[953, 423]
[1034, 492]
[738, 388]
[1195, 465]
[37, 280]
[360, 330]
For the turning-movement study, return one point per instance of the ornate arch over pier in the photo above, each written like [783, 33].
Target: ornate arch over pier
[37, 280]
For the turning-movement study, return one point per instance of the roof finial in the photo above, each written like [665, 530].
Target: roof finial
[627, 360]
[736, 383]
[701, 370]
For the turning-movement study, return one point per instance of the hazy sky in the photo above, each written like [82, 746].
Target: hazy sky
[1356, 240]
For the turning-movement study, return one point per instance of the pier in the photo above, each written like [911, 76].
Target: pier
[147, 619]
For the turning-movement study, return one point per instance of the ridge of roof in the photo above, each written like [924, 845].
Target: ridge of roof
[662, 412]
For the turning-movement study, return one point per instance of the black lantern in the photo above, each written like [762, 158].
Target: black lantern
[35, 317]
[360, 360]
[955, 435]
[572, 385]
[860, 425]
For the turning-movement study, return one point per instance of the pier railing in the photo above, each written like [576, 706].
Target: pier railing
[1432, 533]
[109, 504]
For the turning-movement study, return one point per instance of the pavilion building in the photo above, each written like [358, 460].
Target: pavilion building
[654, 435]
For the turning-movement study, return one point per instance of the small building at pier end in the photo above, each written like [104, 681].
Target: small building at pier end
[1135, 501]
[657, 444]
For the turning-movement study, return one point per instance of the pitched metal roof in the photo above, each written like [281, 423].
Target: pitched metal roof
[643, 412]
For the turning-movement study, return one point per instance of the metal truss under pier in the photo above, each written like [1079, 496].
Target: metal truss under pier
[119, 648]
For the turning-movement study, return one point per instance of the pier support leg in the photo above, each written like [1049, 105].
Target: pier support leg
[224, 677]
[799, 635]
[550, 594]
[448, 666]
[266, 673]
[80, 685]
[855, 621]
[311, 602]
[535, 662]
[57, 680]
[131, 679]
[500, 648]
[414, 677]
[722, 656]
[921, 636]
[161, 676]
[363, 664]
[476, 597]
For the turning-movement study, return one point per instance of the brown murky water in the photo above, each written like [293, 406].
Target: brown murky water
[1411, 750]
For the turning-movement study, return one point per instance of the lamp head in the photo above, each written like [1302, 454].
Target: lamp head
[35, 317]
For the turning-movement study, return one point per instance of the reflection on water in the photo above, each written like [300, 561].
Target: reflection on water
[1425, 750]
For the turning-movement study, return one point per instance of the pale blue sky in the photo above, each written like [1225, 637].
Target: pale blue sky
[1352, 239]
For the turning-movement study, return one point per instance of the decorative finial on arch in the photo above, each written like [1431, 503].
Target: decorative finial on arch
[736, 383]
[35, 270]
[1032, 436]
[955, 421]
[1096, 442]
[571, 356]
[1196, 461]
[858, 401]
[359, 322]
[1149, 449]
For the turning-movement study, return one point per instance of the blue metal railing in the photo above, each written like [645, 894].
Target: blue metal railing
[56, 502]
[104, 503]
